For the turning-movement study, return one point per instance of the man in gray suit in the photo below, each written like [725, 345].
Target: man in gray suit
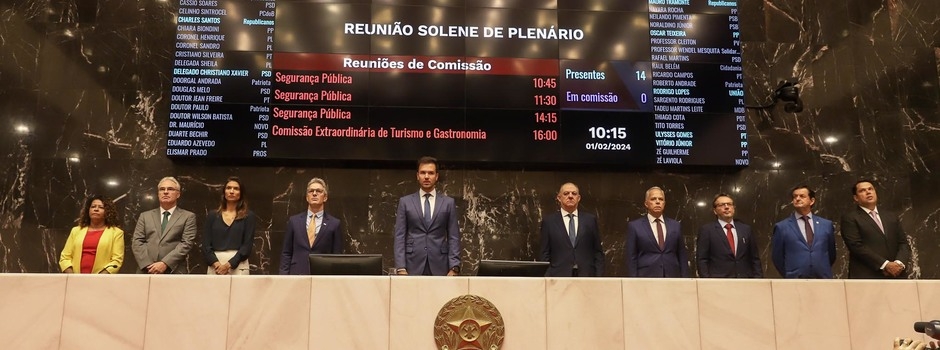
[427, 238]
[165, 235]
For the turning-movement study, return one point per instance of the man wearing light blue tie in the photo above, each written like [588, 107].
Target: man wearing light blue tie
[803, 244]
[427, 238]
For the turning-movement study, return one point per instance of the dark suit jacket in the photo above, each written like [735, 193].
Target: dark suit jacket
[170, 246]
[296, 249]
[417, 243]
[869, 247]
[793, 258]
[714, 257]
[644, 259]
[556, 247]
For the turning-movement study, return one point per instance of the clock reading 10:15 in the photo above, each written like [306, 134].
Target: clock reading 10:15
[608, 133]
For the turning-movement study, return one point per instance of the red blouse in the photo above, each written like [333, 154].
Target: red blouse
[90, 249]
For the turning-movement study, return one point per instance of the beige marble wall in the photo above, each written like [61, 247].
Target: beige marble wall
[521, 302]
[188, 311]
[659, 314]
[879, 311]
[269, 312]
[415, 302]
[810, 315]
[350, 312]
[928, 292]
[223, 312]
[120, 304]
[736, 314]
[584, 313]
[31, 310]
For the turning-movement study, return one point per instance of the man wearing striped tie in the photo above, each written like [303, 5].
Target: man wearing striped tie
[877, 244]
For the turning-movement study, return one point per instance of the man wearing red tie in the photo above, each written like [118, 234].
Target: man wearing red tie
[726, 247]
[877, 244]
[655, 247]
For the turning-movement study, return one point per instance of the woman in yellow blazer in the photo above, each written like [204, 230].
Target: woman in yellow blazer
[96, 245]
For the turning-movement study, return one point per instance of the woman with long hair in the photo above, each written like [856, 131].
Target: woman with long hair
[96, 245]
[230, 232]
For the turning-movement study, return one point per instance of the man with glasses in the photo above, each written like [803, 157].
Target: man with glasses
[164, 235]
[726, 247]
[310, 232]
[570, 240]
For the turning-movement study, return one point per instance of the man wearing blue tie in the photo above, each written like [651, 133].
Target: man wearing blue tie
[570, 240]
[427, 238]
[803, 244]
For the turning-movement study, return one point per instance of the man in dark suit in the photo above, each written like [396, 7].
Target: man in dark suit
[570, 240]
[427, 238]
[726, 247]
[654, 246]
[803, 244]
[164, 236]
[877, 244]
[310, 232]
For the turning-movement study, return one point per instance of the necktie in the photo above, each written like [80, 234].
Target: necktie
[730, 237]
[427, 208]
[659, 234]
[166, 217]
[874, 215]
[809, 230]
[572, 231]
[312, 229]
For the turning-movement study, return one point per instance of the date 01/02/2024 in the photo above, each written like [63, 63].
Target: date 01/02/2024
[606, 146]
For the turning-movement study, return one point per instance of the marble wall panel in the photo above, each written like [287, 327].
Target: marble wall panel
[90, 80]
[887, 312]
[38, 303]
[105, 312]
[584, 315]
[270, 312]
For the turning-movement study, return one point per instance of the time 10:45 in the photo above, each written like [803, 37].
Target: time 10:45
[619, 133]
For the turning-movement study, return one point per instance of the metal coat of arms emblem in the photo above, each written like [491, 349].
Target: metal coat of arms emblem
[469, 322]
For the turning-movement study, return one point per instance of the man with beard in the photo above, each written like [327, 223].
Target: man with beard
[427, 238]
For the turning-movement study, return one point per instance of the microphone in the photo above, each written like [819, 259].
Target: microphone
[931, 329]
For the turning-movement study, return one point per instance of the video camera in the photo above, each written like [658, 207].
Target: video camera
[931, 329]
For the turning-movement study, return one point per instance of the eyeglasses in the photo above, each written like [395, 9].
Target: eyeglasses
[718, 205]
[316, 190]
[167, 189]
